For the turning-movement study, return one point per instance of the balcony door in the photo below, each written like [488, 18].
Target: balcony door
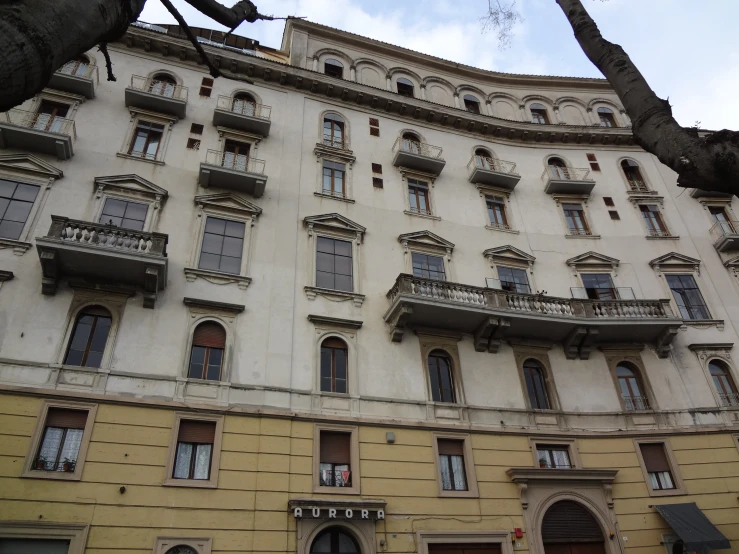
[236, 155]
[599, 286]
[411, 143]
[719, 215]
[51, 116]
[557, 169]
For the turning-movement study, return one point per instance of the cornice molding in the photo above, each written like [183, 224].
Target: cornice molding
[525, 474]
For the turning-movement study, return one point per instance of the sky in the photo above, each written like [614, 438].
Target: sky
[687, 50]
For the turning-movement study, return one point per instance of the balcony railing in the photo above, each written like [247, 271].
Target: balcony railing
[37, 132]
[236, 162]
[418, 148]
[491, 164]
[567, 180]
[109, 237]
[638, 186]
[636, 403]
[41, 122]
[76, 68]
[334, 142]
[725, 235]
[565, 173]
[579, 232]
[484, 170]
[164, 89]
[658, 233]
[243, 107]
[729, 400]
[615, 293]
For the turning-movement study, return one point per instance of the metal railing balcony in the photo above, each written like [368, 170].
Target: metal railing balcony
[636, 403]
[418, 155]
[567, 180]
[240, 113]
[658, 233]
[237, 162]
[76, 76]
[492, 171]
[636, 185]
[41, 122]
[233, 171]
[38, 132]
[725, 235]
[243, 107]
[729, 400]
[164, 89]
[157, 96]
[580, 232]
[333, 142]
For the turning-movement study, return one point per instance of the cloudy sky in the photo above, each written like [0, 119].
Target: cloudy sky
[687, 50]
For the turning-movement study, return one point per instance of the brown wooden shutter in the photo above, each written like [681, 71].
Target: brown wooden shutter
[209, 334]
[335, 447]
[654, 457]
[200, 432]
[451, 447]
[568, 521]
[68, 419]
[333, 342]
[445, 548]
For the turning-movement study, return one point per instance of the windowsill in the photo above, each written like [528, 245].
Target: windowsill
[353, 490]
[19, 247]
[458, 494]
[217, 277]
[668, 237]
[190, 483]
[333, 394]
[582, 236]
[332, 197]
[344, 154]
[334, 295]
[139, 158]
[213, 382]
[719, 323]
[75, 475]
[501, 229]
[425, 216]
[668, 492]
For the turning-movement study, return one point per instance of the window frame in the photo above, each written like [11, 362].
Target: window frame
[162, 545]
[582, 200]
[347, 331]
[38, 434]
[617, 356]
[523, 353]
[664, 232]
[75, 533]
[354, 462]
[412, 85]
[215, 460]
[469, 465]
[486, 191]
[629, 189]
[130, 189]
[442, 353]
[427, 243]
[697, 287]
[321, 346]
[728, 368]
[674, 467]
[244, 238]
[88, 342]
[139, 116]
[442, 257]
[226, 351]
[428, 343]
[544, 110]
[566, 444]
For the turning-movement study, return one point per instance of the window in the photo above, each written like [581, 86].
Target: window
[723, 222]
[163, 85]
[194, 451]
[334, 68]
[593, 162]
[451, 464]
[334, 355]
[631, 388]
[535, 385]
[539, 114]
[377, 181]
[553, 456]
[244, 104]
[335, 462]
[485, 160]
[513, 279]
[633, 176]
[77, 67]
[51, 116]
[334, 178]
[206, 87]
[123, 213]
[599, 286]
[374, 126]
[653, 218]
[193, 144]
[614, 215]
[496, 211]
[333, 130]
[223, 245]
[606, 117]
[206, 355]
[336, 541]
[180, 545]
[558, 169]
[724, 383]
[418, 197]
[405, 87]
[688, 297]
[236, 155]
[16, 201]
[471, 104]
[411, 143]
[575, 217]
[334, 264]
[196, 129]
[89, 336]
[146, 140]
[441, 376]
[427, 266]
[657, 466]
[608, 201]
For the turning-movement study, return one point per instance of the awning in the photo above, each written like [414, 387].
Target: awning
[693, 527]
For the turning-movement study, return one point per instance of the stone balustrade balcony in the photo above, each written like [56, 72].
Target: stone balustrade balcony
[239, 114]
[418, 155]
[37, 132]
[491, 316]
[567, 180]
[725, 235]
[156, 96]
[491, 171]
[76, 77]
[103, 254]
[233, 171]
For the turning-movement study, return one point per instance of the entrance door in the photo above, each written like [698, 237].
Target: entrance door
[472, 548]
[569, 528]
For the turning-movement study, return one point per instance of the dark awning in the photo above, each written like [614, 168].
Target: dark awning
[693, 527]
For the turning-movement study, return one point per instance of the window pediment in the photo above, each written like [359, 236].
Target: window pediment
[29, 164]
[228, 202]
[509, 254]
[131, 183]
[425, 239]
[676, 262]
[336, 223]
[593, 260]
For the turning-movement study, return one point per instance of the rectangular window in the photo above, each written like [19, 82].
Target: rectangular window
[377, 168]
[122, 213]
[374, 126]
[334, 178]
[193, 144]
[196, 129]
[575, 217]
[513, 280]
[599, 286]
[451, 463]
[223, 245]
[16, 202]
[593, 162]
[722, 220]
[335, 463]
[614, 215]
[51, 116]
[427, 266]
[194, 450]
[657, 466]
[61, 441]
[553, 456]
[688, 297]
[146, 140]
[206, 87]
[236, 155]
[608, 201]
[418, 196]
[653, 218]
[334, 264]
[496, 211]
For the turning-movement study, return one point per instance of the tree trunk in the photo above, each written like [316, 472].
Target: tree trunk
[37, 37]
[709, 163]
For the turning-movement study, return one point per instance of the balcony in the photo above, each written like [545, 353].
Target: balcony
[729, 400]
[103, 254]
[636, 403]
[76, 77]
[242, 115]
[37, 132]
[236, 172]
[725, 235]
[157, 96]
[492, 316]
[490, 171]
[418, 156]
[567, 180]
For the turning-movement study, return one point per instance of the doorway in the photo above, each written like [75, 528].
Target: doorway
[569, 528]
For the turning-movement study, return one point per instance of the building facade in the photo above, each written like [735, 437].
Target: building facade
[355, 299]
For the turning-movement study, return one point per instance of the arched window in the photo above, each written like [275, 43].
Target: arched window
[536, 386]
[606, 117]
[206, 356]
[411, 143]
[333, 365]
[724, 383]
[76, 67]
[440, 374]
[244, 104]
[632, 390]
[163, 85]
[484, 159]
[90, 333]
[634, 176]
[471, 104]
[539, 114]
[181, 549]
[334, 68]
[570, 527]
[558, 168]
[334, 540]
[333, 130]
[405, 87]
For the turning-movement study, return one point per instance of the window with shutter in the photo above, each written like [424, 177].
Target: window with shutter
[451, 462]
[657, 465]
[206, 356]
[334, 365]
[61, 441]
[194, 449]
[570, 522]
[335, 459]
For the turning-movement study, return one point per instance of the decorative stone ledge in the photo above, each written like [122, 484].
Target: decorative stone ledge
[216, 277]
[335, 295]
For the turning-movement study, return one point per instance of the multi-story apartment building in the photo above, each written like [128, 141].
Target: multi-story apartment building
[358, 299]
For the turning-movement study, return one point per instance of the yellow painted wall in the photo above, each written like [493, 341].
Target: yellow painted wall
[267, 461]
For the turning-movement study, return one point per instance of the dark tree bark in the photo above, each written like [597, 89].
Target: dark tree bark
[709, 163]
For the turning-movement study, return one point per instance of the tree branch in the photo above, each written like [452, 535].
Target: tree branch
[502, 18]
[214, 71]
[231, 17]
[103, 47]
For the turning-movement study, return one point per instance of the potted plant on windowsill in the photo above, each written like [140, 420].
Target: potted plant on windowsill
[39, 463]
[69, 465]
[543, 462]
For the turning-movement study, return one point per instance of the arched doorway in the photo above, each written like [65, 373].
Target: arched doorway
[334, 540]
[569, 528]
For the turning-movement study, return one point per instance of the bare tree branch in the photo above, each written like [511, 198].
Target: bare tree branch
[214, 71]
[232, 17]
[103, 47]
[501, 18]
